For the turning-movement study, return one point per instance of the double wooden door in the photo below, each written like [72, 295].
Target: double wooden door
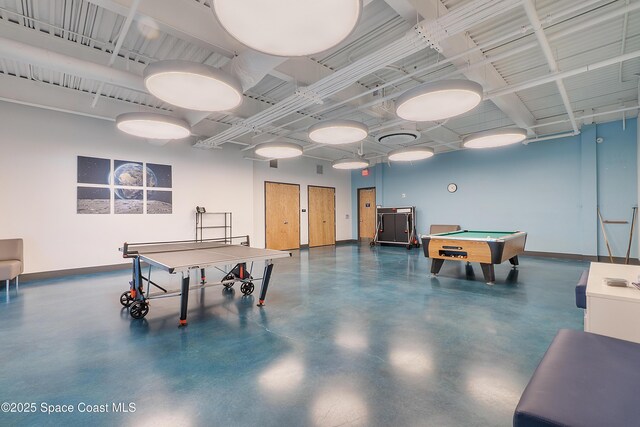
[282, 215]
[322, 216]
[366, 213]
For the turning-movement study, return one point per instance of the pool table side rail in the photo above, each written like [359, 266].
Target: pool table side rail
[452, 236]
[513, 246]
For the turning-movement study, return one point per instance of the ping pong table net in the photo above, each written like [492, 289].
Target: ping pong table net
[133, 249]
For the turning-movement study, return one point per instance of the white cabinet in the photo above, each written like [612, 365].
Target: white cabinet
[613, 311]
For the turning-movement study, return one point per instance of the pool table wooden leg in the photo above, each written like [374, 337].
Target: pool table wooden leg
[436, 265]
[468, 269]
[489, 273]
[514, 261]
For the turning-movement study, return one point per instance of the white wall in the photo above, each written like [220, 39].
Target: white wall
[38, 158]
[302, 171]
[38, 182]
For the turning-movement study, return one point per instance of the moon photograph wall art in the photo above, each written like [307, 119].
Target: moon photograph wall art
[95, 196]
[126, 182]
[94, 200]
[161, 174]
[159, 202]
[93, 170]
[128, 179]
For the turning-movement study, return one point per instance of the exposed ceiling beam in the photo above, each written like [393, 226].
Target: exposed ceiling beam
[185, 19]
[51, 97]
[192, 21]
[49, 52]
[532, 14]
[63, 46]
[123, 34]
[589, 114]
[552, 77]
[587, 119]
[55, 53]
[489, 77]
[413, 41]
[405, 9]
[74, 65]
[306, 71]
[570, 11]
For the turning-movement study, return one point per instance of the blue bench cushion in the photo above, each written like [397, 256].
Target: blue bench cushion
[581, 290]
[583, 380]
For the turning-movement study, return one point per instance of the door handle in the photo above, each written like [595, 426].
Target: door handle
[286, 222]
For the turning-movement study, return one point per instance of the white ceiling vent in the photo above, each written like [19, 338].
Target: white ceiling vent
[398, 137]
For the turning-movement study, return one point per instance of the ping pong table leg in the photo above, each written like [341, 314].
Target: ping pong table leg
[265, 282]
[137, 293]
[184, 299]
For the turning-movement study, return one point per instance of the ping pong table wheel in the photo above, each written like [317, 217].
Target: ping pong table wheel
[139, 309]
[126, 299]
[229, 276]
[247, 288]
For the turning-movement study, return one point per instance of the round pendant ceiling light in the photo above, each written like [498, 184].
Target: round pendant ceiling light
[279, 150]
[410, 154]
[495, 138]
[357, 163]
[438, 100]
[153, 126]
[192, 85]
[289, 27]
[335, 132]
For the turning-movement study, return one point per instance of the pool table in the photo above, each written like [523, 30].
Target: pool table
[486, 247]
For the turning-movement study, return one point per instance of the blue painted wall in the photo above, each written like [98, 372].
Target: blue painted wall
[550, 189]
[617, 182]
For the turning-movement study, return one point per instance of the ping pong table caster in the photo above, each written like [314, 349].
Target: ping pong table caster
[229, 276]
[138, 309]
[247, 288]
[126, 299]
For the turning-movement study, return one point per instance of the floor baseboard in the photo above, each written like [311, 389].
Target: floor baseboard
[44, 275]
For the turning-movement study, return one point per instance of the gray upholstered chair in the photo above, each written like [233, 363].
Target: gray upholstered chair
[11, 261]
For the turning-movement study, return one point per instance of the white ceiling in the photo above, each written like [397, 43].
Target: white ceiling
[507, 58]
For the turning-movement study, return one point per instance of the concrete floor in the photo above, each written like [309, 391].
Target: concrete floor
[350, 336]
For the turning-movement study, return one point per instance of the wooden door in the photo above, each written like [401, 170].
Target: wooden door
[282, 215]
[322, 216]
[366, 213]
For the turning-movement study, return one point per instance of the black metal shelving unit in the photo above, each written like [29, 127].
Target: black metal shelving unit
[221, 221]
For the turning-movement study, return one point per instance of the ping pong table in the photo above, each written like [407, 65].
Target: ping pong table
[187, 255]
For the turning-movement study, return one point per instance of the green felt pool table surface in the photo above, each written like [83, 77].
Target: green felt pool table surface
[470, 234]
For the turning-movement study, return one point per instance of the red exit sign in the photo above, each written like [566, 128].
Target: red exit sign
[365, 172]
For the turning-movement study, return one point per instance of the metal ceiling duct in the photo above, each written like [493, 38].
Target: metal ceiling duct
[250, 67]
